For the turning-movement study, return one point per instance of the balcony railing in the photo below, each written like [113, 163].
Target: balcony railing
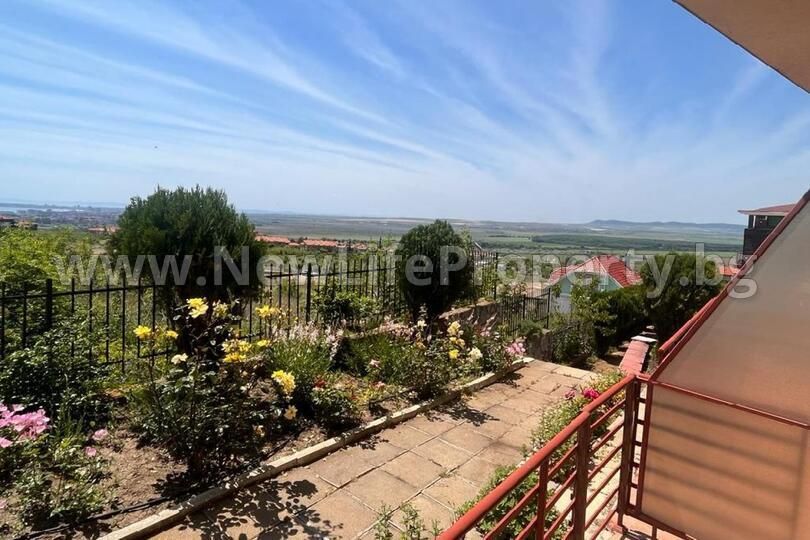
[577, 492]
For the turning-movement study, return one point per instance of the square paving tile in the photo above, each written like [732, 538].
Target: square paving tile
[466, 438]
[452, 491]
[433, 423]
[341, 467]
[413, 469]
[445, 454]
[249, 513]
[501, 454]
[477, 471]
[378, 452]
[379, 488]
[404, 436]
[492, 428]
[506, 414]
[338, 516]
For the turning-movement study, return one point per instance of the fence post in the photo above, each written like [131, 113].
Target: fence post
[309, 292]
[48, 304]
[495, 281]
[581, 480]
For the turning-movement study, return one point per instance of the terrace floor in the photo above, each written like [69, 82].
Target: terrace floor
[435, 462]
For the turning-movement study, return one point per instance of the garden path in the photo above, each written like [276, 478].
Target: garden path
[435, 461]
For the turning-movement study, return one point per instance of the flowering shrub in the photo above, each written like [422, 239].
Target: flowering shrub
[557, 417]
[306, 353]
[198, 404]
[55, 470]
[19, 432]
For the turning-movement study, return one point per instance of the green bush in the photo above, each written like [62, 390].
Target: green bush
[382, 353]
[444, 284]
[337, 307]
[680, 296]
[333, 404]
[523, 518]
[628, 318]
[191, 223]
[56, 373]
[569, 344]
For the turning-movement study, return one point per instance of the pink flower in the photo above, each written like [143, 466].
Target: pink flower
[571, 394]
[5, 443]
[3, 504]
[379, 385]
[89, 451]
[100, 435]
[590, 394]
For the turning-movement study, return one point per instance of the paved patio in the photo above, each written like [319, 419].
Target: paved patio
[435, 461]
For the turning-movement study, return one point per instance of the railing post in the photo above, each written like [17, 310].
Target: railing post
[48, 304]
[309, 292]
[631, 393]
[542, 496]
[581, 480]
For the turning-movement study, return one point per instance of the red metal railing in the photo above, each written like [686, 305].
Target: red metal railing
[573, 463]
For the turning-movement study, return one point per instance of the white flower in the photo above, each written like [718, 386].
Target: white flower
[179, 359]
[475, 354]
[421, 323]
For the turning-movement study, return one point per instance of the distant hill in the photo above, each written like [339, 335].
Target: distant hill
[731, 228]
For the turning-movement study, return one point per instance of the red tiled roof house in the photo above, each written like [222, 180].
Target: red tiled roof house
[611, 272]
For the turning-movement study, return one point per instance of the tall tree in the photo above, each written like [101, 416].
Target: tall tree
[192, 232]
[434, 268]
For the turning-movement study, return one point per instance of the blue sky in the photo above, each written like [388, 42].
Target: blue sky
[515, 110]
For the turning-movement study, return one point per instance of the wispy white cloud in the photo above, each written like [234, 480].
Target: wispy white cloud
[445, 109]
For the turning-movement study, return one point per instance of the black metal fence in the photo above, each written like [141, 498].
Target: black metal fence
[513, 311]
[110, 311]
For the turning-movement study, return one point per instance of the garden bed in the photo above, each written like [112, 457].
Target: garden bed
[179, 424]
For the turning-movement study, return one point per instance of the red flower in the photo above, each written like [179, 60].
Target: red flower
[590, 394]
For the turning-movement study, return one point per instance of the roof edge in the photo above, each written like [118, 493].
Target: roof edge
[688, 330]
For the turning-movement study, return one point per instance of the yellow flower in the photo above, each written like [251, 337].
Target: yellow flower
[234, 357]
[454, 329]
[291, 412]
[285, 380]
[170, 334]
[453, 354]
[458, 342]
[143, 332]
[221, 310]
[197, 307]
[264, 312]
[262, 344]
